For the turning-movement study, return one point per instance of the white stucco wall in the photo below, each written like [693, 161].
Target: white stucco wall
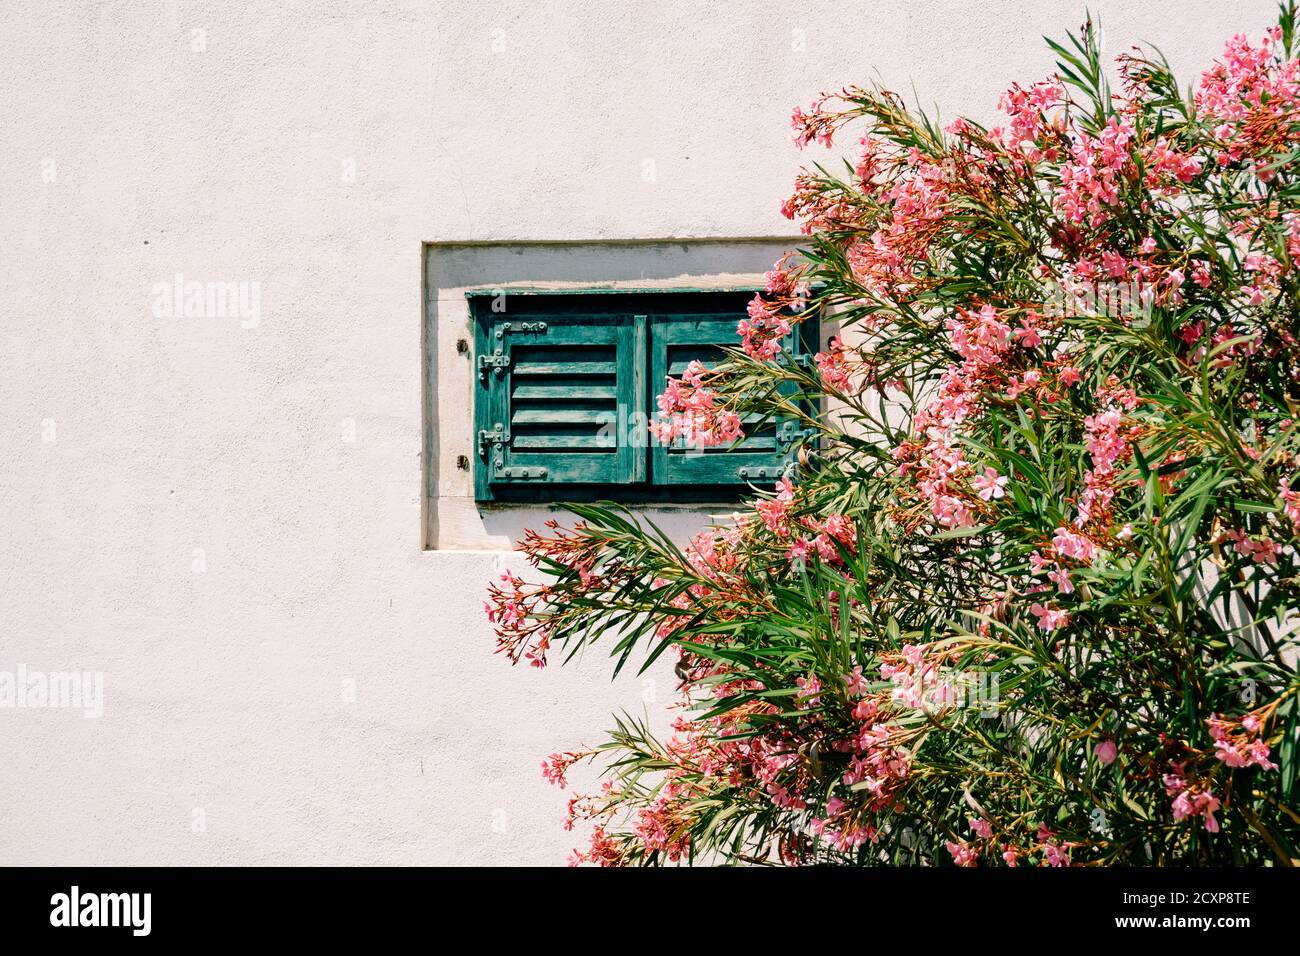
[224, 516]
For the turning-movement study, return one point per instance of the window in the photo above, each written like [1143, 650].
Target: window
[564, 384]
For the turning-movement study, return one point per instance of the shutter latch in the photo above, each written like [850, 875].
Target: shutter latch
[792, 443]
[497, 436]
[789, 433]
[498, 360]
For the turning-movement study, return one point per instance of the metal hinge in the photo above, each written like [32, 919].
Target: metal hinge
[754, 472]
[530, 328]
[499, 361]
[519, 473]
[492, 445]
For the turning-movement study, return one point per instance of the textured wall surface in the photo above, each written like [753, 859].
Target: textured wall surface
[221, 511]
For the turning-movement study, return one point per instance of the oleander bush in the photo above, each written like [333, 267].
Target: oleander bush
[1028, 597]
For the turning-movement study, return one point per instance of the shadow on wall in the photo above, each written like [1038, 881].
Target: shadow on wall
[509, 522]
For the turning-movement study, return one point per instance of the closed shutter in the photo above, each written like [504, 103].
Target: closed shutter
[763, 455]
[557, 400]
[564, 385]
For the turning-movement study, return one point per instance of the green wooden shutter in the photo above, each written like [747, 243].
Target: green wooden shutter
[557, 399]
[763, 455]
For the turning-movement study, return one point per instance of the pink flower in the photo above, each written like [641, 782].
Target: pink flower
[1028, 337]
[1188, 803]
[555, 766]
[962, 854]
[809, 690]
[826, 549]
[810, 127]
[1264, 551]
[1290, 499]
[1061, 577]
[1025, 383]
[1090, 182]
[1218, 728]
[857, 684]
[1056, 855]
[952, 512]
[762, 332]
[1257, 753]
[1191, 332]
[1229, 755]
[1049, 619]
[1106, 752]
[865, 709]
[775, 511]
[990, 484]
[842, 530]
[831, 364]
[981, 828]
[1240, 748]
[1161, 160]
[1073, 545]
[1024, 140]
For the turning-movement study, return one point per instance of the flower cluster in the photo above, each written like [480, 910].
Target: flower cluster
[1238, 744]
[1251, 98]
[1090, 183]
[933, 458]
[517, 610]
[1192, 799]
[693, 413]
[1031, 136]
[833, 365]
